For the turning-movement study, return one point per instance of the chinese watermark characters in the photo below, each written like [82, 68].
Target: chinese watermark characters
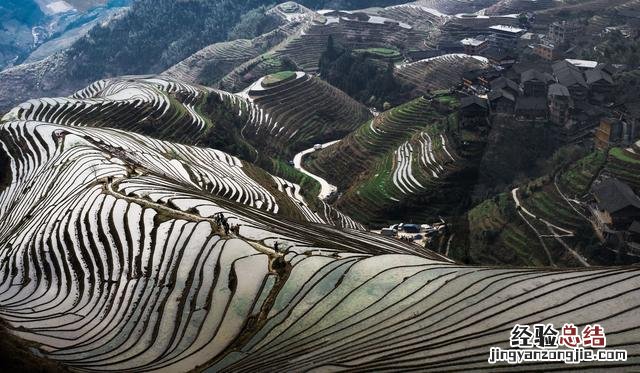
[545, 343]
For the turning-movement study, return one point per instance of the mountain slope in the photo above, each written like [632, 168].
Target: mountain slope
[210, 64]
[170, 110]
[307, 36]
[297, 110]
[17, 18]
[550, 217]
[292, 114]
[397, 166]
[120, 265]
[133, 44]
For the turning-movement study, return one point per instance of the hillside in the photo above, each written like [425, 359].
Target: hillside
[293, 114]
[395, 166]
[319, 186]
[210, 64]
[17, 18]
[132, 44]
[119, 261]
[360, 30]
[190, 28]
[553, 221]
[33, 30]
[298, 111]
[170, 110]
[437, 73]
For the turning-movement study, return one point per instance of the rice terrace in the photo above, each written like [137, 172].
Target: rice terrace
[319, 186]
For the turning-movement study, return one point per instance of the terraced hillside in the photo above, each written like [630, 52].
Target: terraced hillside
[113, 261]
[549, 217]
[151, 223]
[155, 106]
[442, 72]
[418, 16]
[624, 164]
[303, 38]
[406, 156]
[353, 30]
[209, 65]
[169, 110]
[518, 6]
[293, 114]
[212, 63]
[298, 110]
[456, 6]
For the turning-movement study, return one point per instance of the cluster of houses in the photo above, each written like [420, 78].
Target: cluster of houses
[538, 95]
[558, 40]
[575, 95]
[501, 41]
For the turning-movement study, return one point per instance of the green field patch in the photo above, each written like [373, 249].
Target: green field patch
[381, 52]
[621, 155]
[279, 77]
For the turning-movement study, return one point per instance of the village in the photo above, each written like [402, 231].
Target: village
[536, 75]
[536, 78]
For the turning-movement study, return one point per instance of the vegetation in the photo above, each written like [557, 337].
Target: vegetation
[17, 355]
[309, 186]
[279, 77]
[624, 166]
[225, 132]
[302, 112]
[396, 166]
[381, 52]
[615, 48]
[627, 86]
[17, 17]
[253, 23]
[513, 153]
[23, 11]
[360, 76]
[620, 154]
[154, 35]
[498, 234]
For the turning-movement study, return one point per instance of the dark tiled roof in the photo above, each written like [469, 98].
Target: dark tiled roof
[569, 77]
[531, 103]
[596, 75]
[532, 74]
[635, 227]
[614, 195]
[472, 100]
[558, 90]
[503, 82]
[563, 65]
[607, 68]
[496, 94]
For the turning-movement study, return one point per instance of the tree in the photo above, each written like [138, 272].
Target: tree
[360, 75]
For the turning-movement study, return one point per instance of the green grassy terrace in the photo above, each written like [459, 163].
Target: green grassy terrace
[381, 52]
[279, 77]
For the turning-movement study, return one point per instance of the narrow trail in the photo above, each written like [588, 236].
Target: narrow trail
[177, 214]
[551, 228]
[449, 245]
[569, 201]
[326, 189]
